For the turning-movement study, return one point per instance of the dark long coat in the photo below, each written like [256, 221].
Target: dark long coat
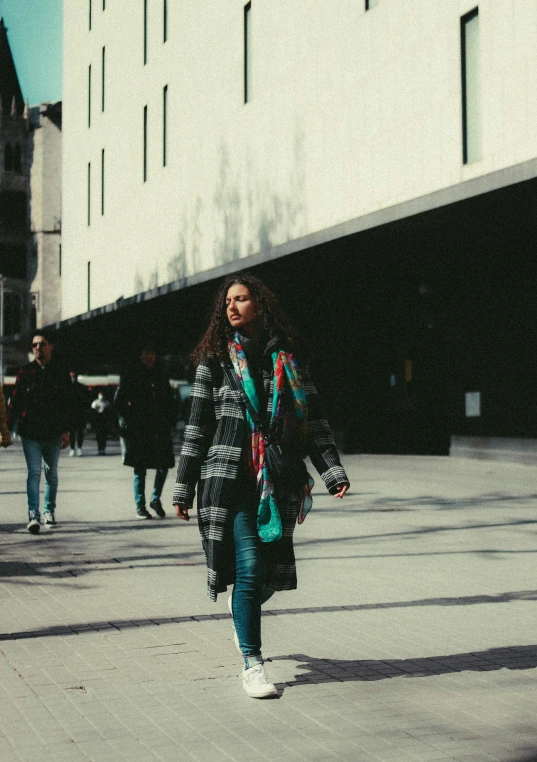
[146, 413]
[210, 460]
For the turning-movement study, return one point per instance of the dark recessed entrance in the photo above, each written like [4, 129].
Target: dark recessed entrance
[404, 320]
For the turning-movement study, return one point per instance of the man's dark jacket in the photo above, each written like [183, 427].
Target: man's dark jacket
[42, 401]
[146, 410]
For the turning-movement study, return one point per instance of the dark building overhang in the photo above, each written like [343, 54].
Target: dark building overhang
[423, 302]
[445, 197]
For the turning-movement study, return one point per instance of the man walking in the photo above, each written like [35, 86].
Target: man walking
[102, 413]
[41, 404]
[81, 410]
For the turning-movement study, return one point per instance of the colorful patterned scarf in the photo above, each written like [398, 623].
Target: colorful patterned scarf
[269, 524]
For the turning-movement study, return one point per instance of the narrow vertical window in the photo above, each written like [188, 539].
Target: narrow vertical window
[371, 4]
[247, 52]
[145, 143]
[165, 20]
[103, 63]
[470, 88]
[89, 15]
[89, 95]
[104, 5]
[89, 286]
[145, 32]
[164, 123]
[89, 193]
[60, 260]
[102, 181]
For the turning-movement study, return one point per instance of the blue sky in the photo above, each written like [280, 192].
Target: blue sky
[35, 37]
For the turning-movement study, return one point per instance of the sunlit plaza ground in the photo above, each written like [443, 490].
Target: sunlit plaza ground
[411, 637]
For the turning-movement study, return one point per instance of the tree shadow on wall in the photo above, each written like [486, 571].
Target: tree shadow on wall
[229, 214]
[187, 259]
[274, 219]
[249, 216]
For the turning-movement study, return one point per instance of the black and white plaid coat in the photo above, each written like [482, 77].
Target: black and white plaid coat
[210, 459]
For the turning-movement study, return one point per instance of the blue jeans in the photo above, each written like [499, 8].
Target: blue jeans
[35, 452]
[249, 592]
[139, 485]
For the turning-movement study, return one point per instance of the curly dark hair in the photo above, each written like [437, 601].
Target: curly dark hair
[274, 322]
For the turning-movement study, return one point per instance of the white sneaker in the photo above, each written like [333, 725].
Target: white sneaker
[79, 452]
[235, 637]
[71, 453]
[256, 683]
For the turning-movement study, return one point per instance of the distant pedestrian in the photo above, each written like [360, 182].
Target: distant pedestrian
[102, 414]
[252, 398]
[41, 404]
[146, 412]
[81, 412]
[5, 436]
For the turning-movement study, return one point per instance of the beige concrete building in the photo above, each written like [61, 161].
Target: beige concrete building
[376, 161]
[170, 166]
[14, 191]
[45, 213]
[30, 212]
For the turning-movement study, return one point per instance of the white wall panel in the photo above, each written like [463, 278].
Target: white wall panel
[351, 112]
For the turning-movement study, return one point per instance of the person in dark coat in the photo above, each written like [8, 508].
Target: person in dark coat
[250, 391]
[145, 408]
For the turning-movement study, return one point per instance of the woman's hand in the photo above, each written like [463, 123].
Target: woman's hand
[341, 490]
[181, 511]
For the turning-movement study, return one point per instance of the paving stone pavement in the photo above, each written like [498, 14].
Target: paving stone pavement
[412, 635]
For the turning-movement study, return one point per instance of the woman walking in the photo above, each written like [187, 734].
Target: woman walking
[252, 400]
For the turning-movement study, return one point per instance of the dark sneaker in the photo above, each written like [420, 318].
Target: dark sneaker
[50, 519]
[33, 526]
[141, 513]
[156, 506]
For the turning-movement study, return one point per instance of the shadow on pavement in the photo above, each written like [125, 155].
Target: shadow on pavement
[411, 533]
[473, 551]
[469, 600]
[341, 670]
[76, 527]
[123, 624]
[394, 504]
[81, 566]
